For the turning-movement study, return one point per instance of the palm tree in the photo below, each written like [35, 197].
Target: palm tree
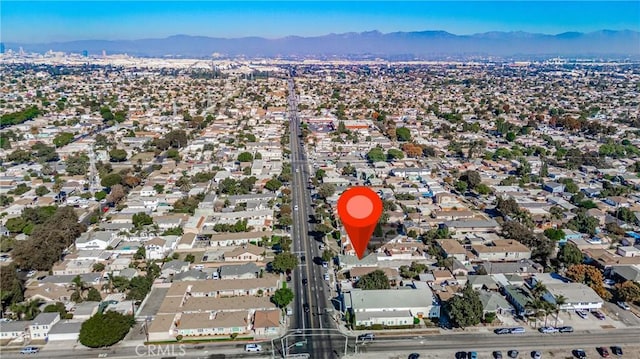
[560, 301]
[79, 288]
[538, 290]
[26, 310]
[537, 307]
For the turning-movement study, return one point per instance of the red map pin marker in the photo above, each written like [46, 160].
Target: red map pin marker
[359, 209]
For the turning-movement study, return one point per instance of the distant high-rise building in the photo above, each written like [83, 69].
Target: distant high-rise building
[21, 51]
[104, 53]
[1, 47]
[85, 53]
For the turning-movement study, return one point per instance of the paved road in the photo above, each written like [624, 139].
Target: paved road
[314, 330]
[627, 337]
[490, 341]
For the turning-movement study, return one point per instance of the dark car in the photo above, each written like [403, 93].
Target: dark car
[288, 278]
[305, 306]
[461, 355]
[303, 259]
[497, 354]
[414, 356]
[304, 281]
[502, 331]
[616, 350]
[604, 352]
[566, 329]
[512, 354]
[579, 353]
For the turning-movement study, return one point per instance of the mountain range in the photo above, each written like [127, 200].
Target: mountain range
[407, 45]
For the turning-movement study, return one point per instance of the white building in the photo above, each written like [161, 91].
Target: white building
[42, 324]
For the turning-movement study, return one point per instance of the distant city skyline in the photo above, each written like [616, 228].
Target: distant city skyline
[51, 21]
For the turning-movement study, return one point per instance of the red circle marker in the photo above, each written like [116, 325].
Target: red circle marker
[359, 209]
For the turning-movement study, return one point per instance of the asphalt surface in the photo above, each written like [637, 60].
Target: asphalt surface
[313, 330]
[627, 338]
[521, 342]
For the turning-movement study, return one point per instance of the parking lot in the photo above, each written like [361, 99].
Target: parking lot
[615, 317]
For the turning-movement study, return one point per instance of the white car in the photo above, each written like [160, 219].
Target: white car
[253, 348]
[295, 207]
[548, 330]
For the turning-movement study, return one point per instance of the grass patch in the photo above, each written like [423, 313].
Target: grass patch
[144, 157]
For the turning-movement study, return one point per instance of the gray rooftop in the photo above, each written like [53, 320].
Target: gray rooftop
[14, 326]
[234, 270]
[66, 328]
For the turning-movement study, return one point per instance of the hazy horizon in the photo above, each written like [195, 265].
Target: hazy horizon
[62, 21]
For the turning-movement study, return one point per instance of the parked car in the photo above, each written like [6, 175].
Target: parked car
[472, 355]
[616, 350]
[502, 331]
[516, 330]
[609, 281]
[29, 350]
[581, 313]
[548, 330]
[366, 336]
[604, 352]
[598, 315]
[414, 356]
[461, 355]
[566, 329]
[624, 305]
[579, 353]
[497, 354]
[253, 348]
[513, 353]
[536, 354]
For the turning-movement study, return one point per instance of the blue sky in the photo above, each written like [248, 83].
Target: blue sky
[46, 21]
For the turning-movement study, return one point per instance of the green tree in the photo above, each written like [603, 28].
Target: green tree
[376, 155]
[461, 186]
[282, 297]
[403, 134]
[141, 219]
[374, 280]
[273, 184]
[465, 310]
[110, 180]
[326, 190]
[245, 157]
[190, 258]
[77, 164]
[63, 139]
[284, 261]
[327, 254]
[569, 255]
[394, 154]
[141, 253]
[510, 136]
[104, 330]
[93, 295]
[554, 234]
[117, 155]
[41, 191]
[98, 267]
[472, 178]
